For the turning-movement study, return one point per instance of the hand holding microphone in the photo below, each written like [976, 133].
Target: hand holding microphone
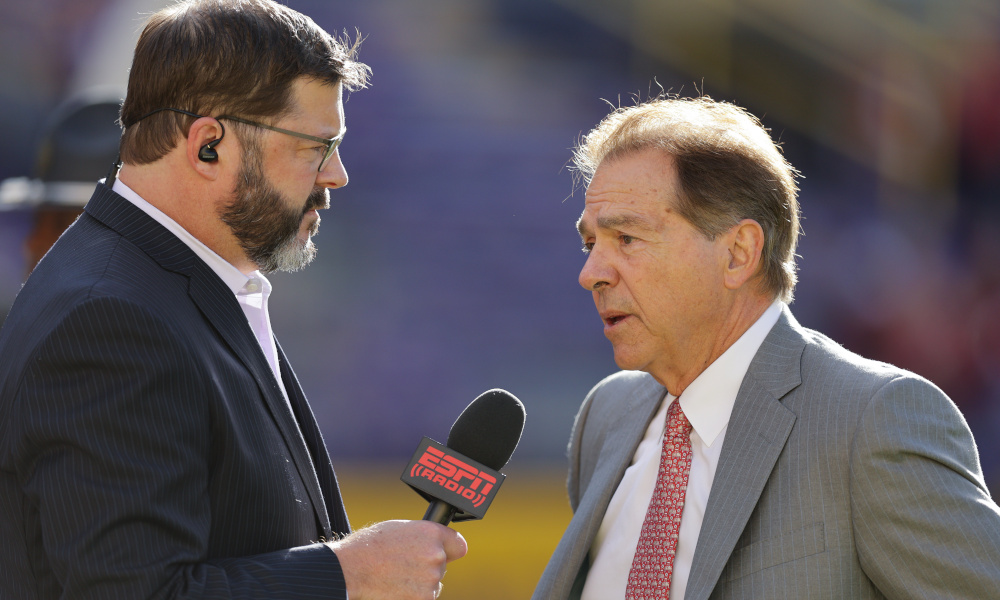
[401, 560]
[397, 560]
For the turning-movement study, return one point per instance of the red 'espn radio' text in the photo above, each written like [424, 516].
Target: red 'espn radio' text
[454, 475]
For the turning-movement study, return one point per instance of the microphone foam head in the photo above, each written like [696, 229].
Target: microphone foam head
[489, 428]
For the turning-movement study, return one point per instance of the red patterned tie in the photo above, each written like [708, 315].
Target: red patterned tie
[653, 564]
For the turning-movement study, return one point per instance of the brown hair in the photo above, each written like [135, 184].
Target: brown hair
[728, 167]
[237, 57]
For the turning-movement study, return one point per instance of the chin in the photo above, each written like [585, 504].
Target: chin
[628, 361]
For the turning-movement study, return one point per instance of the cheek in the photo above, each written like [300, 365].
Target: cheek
[291, 178]
[672, 290]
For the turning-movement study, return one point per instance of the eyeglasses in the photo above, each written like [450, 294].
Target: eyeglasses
[330, 143]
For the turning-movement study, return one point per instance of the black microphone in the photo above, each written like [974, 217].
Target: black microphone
[461, 479]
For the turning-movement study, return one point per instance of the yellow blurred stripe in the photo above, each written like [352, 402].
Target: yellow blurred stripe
[507, 550]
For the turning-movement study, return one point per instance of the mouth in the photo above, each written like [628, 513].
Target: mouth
[612, 318]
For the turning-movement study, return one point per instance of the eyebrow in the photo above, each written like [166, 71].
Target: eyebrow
[339, 133]
[617, 222]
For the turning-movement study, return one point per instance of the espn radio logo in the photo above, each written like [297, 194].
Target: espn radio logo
[454, 474]
[438, 473]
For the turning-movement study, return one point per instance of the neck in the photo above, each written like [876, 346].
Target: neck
[700, 348]
[191, 202]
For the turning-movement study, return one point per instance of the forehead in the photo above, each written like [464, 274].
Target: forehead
[318, 106]
[640, 188]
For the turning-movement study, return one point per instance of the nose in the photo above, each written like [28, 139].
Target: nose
[597, 272]
[333, 174]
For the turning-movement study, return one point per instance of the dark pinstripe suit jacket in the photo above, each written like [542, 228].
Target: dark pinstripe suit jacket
[839, 478]
[146, 450]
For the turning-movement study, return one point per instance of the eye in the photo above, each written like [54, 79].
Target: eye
[626, 239]
[587, 247]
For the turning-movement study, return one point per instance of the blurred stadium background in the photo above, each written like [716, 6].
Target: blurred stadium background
[448, 266]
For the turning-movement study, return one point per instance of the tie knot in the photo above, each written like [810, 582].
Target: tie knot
[677, 422]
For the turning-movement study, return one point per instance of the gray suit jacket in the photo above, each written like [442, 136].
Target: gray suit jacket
[840, 477]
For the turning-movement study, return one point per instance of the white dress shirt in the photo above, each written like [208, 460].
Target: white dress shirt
[251, 291]
[708, 403]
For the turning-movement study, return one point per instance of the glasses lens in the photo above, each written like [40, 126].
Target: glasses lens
[329, 152]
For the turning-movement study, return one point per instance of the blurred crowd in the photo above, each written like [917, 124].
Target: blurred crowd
[450, 261]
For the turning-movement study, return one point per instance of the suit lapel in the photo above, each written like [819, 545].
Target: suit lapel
[612, 458]
[222, 310]
[622, 438]
[333, 510]
[757, 432]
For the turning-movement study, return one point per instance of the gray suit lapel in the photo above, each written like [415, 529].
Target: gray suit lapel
[757, 432]
[596, 485]
[621, 438]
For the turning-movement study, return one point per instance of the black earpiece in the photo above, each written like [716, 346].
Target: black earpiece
[208, 152]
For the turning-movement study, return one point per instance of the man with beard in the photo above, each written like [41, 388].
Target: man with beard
[154, 441]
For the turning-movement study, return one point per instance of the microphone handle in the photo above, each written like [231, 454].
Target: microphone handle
[440, 512]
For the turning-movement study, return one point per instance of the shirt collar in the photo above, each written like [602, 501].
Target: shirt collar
[234, 279]
[708, 401]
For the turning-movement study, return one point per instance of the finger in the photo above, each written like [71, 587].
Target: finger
[455, 546]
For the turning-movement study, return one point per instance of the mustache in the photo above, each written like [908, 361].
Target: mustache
[318, 199]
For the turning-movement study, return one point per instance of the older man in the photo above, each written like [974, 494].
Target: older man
[740, 455]
[154, 440]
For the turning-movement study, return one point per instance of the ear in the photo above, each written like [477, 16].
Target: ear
[746, 245]
[203, 131]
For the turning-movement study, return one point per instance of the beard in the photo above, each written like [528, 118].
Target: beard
[266, 228]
